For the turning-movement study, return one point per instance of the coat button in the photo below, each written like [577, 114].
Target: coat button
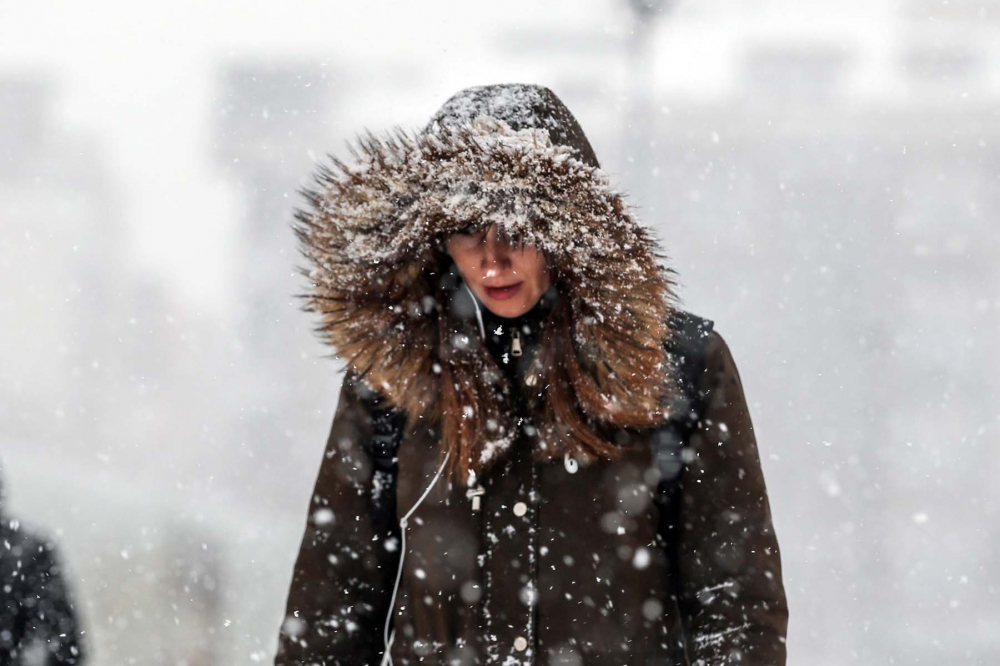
[520, 643]
[520, 509]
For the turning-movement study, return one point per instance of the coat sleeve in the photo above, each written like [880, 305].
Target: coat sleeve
[731, 594]
[343, 575]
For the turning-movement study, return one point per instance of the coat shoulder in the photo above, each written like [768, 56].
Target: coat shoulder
[27, 543]
[702, 354]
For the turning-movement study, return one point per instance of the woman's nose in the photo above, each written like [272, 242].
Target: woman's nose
[496, 251]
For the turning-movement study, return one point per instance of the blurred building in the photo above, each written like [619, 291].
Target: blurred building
[91, 384]
[272, 122]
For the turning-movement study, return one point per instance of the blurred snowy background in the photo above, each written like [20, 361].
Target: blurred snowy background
[826, 177]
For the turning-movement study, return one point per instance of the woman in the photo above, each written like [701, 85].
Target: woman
[537, 458]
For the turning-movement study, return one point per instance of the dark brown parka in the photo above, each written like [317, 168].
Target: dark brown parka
[598, 499]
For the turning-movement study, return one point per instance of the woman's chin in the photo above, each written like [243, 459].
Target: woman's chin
[507, 308]
[502, 310]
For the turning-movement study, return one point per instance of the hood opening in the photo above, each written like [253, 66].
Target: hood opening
[512, 155]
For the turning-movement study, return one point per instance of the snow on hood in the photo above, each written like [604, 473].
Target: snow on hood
[373, 235]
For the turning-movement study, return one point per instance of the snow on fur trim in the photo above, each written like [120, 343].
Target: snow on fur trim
[374, 236]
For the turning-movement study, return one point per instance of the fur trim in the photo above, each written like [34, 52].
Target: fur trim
[374, 237]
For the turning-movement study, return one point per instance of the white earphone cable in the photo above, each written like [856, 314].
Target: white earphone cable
[479, 314]
[388, 637]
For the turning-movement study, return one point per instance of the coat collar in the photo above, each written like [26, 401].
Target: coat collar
[374, 235]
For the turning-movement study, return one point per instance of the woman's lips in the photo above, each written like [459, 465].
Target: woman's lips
[503, 293]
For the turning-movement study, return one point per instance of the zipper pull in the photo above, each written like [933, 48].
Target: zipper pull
[515, 345]
[474, 494]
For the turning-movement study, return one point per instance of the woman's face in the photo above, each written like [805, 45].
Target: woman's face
[507, 278]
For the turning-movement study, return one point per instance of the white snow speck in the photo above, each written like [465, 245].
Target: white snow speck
[323, 516]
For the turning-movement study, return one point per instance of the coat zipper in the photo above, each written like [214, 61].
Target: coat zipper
[515, 343]
[475, 494]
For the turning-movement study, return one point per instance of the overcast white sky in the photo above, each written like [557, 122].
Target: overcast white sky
[116, 62]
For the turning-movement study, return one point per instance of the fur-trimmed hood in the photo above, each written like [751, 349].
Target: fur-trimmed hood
[374, 235]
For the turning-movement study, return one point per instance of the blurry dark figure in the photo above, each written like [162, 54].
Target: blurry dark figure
[38, 624]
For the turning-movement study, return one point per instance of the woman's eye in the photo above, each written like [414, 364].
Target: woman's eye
[470, 234]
